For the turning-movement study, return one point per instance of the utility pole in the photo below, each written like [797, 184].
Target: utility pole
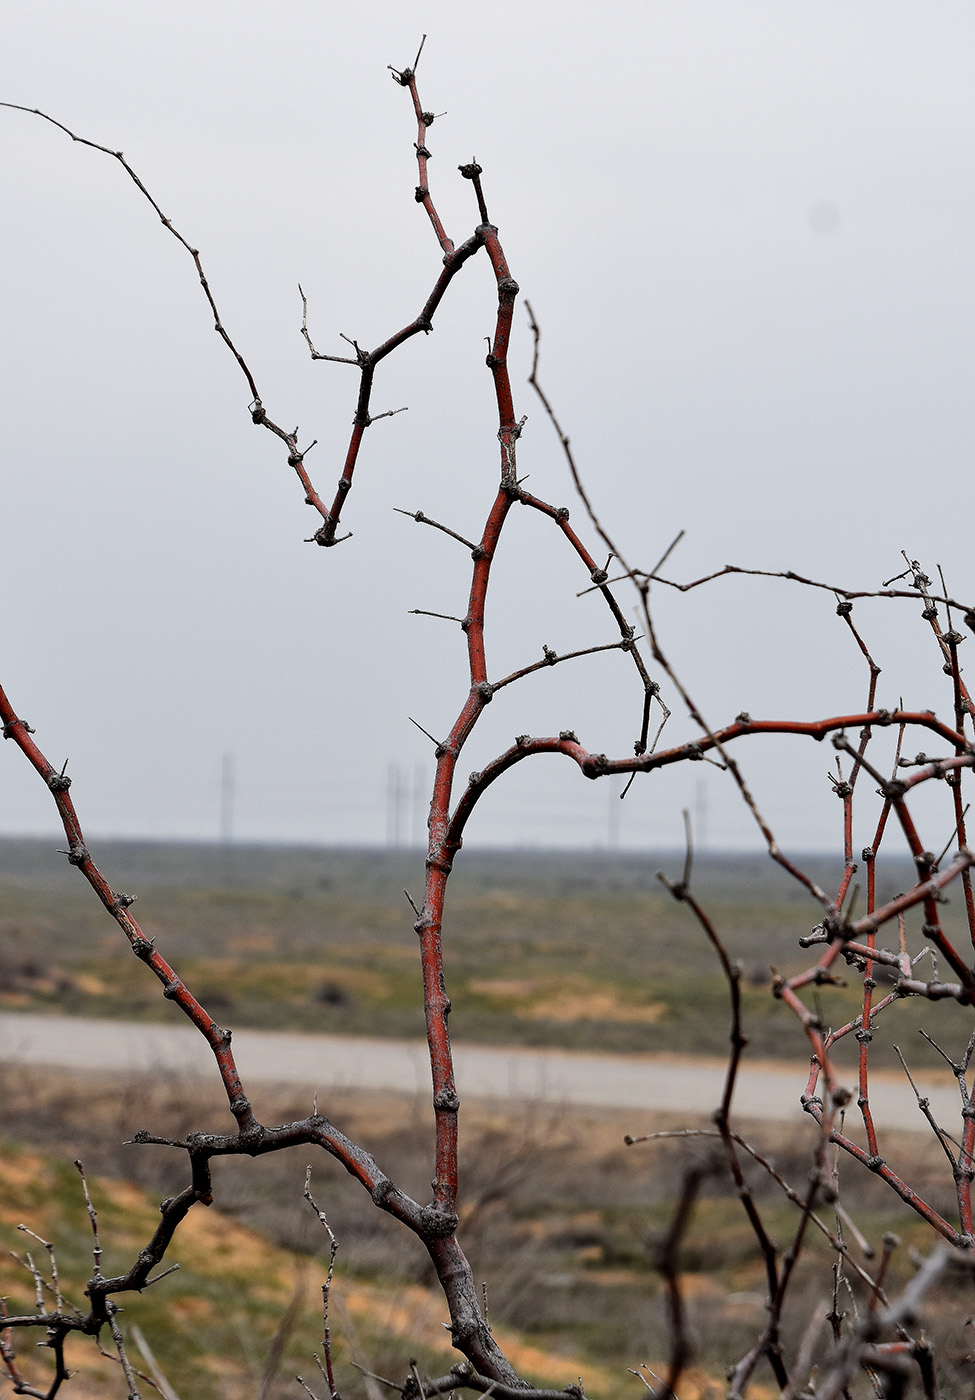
[701, 813]
[613, 820]
[228, 792]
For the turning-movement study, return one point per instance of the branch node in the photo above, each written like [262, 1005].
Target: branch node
[382, 1191]
[437, 1224]
[8, 729]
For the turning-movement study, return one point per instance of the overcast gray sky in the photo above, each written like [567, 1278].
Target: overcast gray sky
[746, 230]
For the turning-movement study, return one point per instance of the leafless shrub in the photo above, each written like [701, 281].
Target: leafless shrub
[894, 949]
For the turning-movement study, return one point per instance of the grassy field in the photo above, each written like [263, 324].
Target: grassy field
[561, 1220]
[545, 949]
[243, 1313]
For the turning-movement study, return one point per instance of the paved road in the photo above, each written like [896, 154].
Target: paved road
[669, 1084]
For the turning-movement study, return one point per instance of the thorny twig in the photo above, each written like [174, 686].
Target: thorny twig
[847, 941]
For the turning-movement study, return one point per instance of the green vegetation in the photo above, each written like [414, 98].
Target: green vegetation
[542, 949]
[561, 1221]
[241, 1313]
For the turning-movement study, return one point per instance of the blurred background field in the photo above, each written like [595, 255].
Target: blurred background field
[563, 1222]
[570, 950]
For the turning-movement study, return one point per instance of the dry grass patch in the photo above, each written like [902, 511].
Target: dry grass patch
[565, 1001]
[211, 1324]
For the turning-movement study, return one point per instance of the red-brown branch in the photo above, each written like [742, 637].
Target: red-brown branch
[118, 906]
